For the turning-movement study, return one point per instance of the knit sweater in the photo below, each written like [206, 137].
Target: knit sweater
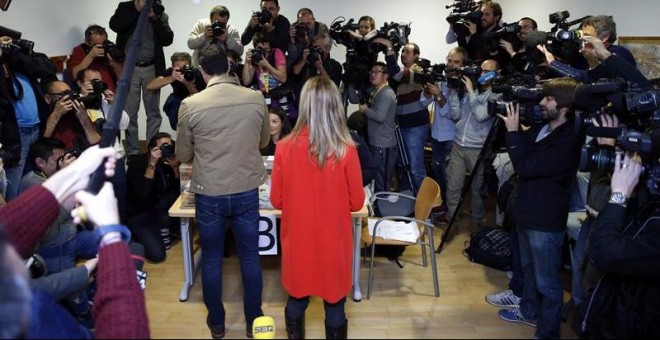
[119, 306]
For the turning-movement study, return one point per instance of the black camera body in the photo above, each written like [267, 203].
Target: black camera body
[166, 150]
[158, 7]
[396, 33]
[528, 99]
[464, 11]
[112, 50]
[339, 32]
[188, 72]
[264, 16]
[314, 55]
[23, 45]
[218, 28]
[301, 32]
[98, 86]
[257, 54]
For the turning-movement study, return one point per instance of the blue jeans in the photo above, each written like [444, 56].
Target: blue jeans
[414, 140]
[441, 151]
[518, 276]
[335, 313]
[49, 319]
[577, 292]
[28, 136]
[384, 161]
[542, 300]
[63, 256]
[213, 215]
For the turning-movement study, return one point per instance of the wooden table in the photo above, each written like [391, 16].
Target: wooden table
[190, 263]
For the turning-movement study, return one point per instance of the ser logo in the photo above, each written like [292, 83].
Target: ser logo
[264, 329]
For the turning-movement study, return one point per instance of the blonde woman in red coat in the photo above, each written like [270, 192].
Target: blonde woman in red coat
[316, 182]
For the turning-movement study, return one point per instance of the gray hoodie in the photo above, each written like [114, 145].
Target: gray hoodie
[474, 123]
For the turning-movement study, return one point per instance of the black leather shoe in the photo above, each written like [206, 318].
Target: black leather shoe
[217, 332]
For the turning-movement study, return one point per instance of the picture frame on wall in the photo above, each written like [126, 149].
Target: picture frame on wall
[646, 51]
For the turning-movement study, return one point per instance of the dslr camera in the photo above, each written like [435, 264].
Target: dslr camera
[218, 28]
[257, 54]
[166, 150]
[112, 50]
[264, 16]
[158, 7]
[301, 32]
[315, 54]
[188, 72]
[98, 86]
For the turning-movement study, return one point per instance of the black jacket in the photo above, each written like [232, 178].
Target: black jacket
[150, 195]
[36, 67]
[125, 19]
[626, 301]
[546, 170]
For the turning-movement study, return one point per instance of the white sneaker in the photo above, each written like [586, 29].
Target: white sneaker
[504, 299]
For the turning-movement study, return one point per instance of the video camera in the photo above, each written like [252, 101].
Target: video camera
[463, 11]
[396, 33]
[527, 98]
[188, 72]
[340, 33]
[264, 16]
[561, 41]
[23, 45]
[634, 107]
[301, 32]
[430, 73]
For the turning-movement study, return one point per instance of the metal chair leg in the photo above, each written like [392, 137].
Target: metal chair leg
[434, 268]
[371, 266]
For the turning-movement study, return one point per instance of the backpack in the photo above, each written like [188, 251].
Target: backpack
[490, 246]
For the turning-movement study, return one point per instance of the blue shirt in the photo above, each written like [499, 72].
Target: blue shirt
[27, 112]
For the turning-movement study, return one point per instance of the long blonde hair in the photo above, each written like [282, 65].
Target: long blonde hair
[321, 109]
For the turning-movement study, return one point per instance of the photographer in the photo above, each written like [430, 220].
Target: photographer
[624, 244]
[150, 62]
[473, 125]
[524, 60]
[153, 181]
[23, 113]
[269, 22]
[184, 79]
[545, 159]
[68, 120]
[477, 41]
[215, 30]
[302, 34]
[97, 53]
[315, 61]
[412, 115]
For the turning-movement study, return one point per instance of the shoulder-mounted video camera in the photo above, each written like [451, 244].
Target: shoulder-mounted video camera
[339, 31]
[463, 11]
[430, 73]
[528, 99]
[396, 33]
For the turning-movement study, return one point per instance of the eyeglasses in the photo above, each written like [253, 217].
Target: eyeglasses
[375, 72]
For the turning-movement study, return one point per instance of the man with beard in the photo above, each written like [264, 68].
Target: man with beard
[546, 160]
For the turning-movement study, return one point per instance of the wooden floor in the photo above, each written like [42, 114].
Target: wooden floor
[402, 304]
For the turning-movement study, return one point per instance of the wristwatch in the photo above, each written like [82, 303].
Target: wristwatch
[99, 232]
[619, 198]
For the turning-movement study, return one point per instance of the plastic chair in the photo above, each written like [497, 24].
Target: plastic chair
[427, 198]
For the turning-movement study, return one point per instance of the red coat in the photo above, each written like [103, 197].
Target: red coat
[316, 229]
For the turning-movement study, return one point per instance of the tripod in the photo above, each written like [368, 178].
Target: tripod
[468, 185]
[404, 156]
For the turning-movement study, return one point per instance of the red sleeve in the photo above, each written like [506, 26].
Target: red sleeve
[354, 177]
[27, 217]
[276, 178]
[77, 55]
[119, 306]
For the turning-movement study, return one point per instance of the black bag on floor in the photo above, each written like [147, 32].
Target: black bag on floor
[490, 246]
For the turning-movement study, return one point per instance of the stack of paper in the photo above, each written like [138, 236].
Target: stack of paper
[393, 230]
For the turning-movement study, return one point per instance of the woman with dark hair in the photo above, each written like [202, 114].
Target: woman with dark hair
[153, 182]
[279, 128]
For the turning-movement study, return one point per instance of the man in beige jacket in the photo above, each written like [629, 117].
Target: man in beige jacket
[221, 130]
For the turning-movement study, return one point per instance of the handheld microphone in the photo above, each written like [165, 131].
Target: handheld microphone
[490, 75]
[263, 327]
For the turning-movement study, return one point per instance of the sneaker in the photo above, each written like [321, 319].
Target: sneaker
[509, 274]
[504, 299]
[514, 315]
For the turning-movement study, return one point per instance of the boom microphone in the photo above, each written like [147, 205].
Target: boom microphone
[263, 327]
[535, 38]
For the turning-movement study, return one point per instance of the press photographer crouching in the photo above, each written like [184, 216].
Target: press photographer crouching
[153, 182]
[625, 244]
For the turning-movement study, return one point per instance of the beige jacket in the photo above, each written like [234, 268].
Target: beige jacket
[221, 130]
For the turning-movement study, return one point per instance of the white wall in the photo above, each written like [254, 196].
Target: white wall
[57, 26]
